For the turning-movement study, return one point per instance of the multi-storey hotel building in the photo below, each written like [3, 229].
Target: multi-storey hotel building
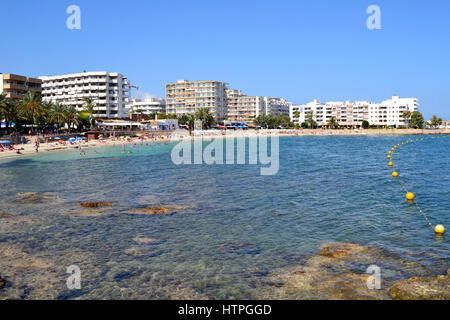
[185, 97]
[108, 90]
[242, 108]
[349, 114]
[15, 86]
[277, 106]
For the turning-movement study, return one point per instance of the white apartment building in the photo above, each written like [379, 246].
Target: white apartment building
[147, 106]
[185, 97]
[388, 113]
[108, 90]
[277, 106]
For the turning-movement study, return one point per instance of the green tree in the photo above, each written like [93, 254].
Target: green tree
[417, 121]
[365, 124]
[332, 123]
[297, 114]
[139, 112]
[71, 117]
[56, 114]
[31, 108]
[435, 122]
[206, 117]
[8, 111]
[89, 107]
[187, 120]
[172, 116]
[260, 121]
[407, 116]
[309, 119]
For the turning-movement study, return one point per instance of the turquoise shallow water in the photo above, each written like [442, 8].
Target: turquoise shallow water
[238, 225]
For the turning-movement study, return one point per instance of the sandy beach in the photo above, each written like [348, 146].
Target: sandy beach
[47, 145]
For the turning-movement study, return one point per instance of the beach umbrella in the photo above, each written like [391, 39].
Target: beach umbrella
[5, 142]
[71, 140]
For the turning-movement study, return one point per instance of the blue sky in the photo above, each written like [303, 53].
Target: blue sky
[299, 50]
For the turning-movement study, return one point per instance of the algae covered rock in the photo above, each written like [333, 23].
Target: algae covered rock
[157, 210]
[96, 204]
[2, 282]
[425, 288]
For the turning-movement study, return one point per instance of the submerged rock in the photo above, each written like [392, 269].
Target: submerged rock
[146, 240]
[241, 248]
[140, 251]
[88, 213]
[34, 198]
[5, 215]
[338, 272]
[341, 250]
[2, 282]
[156, 210]
[96, 204]
[426, 288]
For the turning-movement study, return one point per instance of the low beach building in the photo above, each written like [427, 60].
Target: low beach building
[147, 106]
[110, 92]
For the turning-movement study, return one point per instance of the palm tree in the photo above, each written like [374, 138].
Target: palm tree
[71, 116]
[31, 107]
[187, 120]
[407, 116]
[332, 123]
[8, 110]
[89, 107]
[309, 119]
[139, 112]
[57, 114]
[206, 117]
[435, 122]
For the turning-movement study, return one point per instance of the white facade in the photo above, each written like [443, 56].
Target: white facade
[388, 113]
[277, 106]
[148, 106]
[108, 90]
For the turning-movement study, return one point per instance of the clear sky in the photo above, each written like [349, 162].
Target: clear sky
[298, 50]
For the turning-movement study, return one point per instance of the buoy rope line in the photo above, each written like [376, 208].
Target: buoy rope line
[409, 195]
[417, 205]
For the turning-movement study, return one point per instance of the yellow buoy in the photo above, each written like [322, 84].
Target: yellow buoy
[395, 174]
[389, 156]
[439, 228]
[390, 152]
[410, 196]
[393, 149]
[390, 164]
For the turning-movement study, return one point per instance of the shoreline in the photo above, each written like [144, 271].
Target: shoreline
[29, 149]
